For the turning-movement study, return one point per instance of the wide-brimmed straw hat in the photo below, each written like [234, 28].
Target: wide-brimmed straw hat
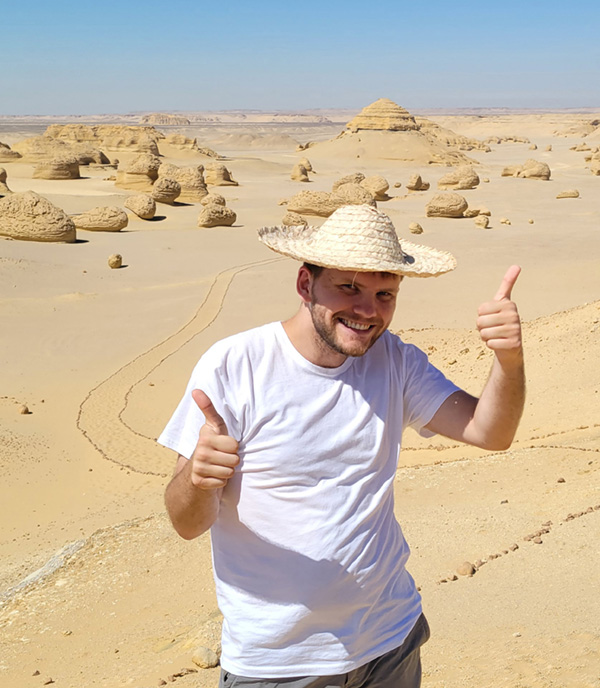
[361, 238]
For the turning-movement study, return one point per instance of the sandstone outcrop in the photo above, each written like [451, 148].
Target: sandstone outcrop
[142, 205]
[506, 139]
[30, 217]
[4, 190]
[213, 198]
[166, 190]
[377, 186]
[446, 205]
[415, 183]
[109, 137]
[139, 174]
[218, 175]
[450, 138]
[181, 142]
[299, 173]
[59, 168]
[102, 219]
[305, 162]
[190, 179]
[569, 193]
[530, 169]
[213, 215]
[294, 220]
[355, 178]
[463, 177]
[165, 119]
[7, 154]
[383, 115]
[355, 194]
[319, 203]
[41, 148]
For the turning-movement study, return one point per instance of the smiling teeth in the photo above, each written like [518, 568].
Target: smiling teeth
[355, 325]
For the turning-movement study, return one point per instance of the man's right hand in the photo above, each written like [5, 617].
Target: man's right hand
[215, 457]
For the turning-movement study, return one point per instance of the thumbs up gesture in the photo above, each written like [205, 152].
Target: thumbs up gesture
[215, 457]
[498, 321]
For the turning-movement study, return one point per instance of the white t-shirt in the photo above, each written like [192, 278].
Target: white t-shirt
[309, 559]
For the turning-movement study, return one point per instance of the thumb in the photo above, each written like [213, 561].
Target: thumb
[213, 419]
[508, 282]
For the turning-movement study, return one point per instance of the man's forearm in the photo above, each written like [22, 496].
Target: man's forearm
[192, 510]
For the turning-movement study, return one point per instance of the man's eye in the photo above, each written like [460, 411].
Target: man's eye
[349, 287]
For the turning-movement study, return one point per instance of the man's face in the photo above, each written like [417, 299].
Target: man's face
[351, 310]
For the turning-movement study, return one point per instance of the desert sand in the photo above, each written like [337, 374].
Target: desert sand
[95, 587]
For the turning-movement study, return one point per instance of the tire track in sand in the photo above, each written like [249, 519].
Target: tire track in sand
[100, 417]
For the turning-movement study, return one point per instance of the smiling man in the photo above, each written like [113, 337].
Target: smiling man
[288, 438]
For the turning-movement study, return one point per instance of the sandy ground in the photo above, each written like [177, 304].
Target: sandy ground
[95, 588]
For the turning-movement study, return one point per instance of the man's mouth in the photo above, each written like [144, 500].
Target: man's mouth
[361, 327]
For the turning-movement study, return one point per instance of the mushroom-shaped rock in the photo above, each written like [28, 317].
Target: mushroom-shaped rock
[299, 173]
[30, 217]
[355, 194]
[482, 221]
[58, 168]
[102, 219]
[569, 193]
[190, 179]
[376, 185]
[319, 203]
[166, 190]
[463, 177]
[4, 190]
[216, 216]
[305, 162]
[142, 205]
[294, 220]
[218, 175]
[355, 178]
[415, 183]
[213, 198]
[7, 154]
[140, 174]
[446, 205]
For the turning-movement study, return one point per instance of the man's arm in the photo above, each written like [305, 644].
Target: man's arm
[491, 421]
[192, 497]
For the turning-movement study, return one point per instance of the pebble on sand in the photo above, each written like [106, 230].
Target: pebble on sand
[205, 658]
[466, 569]
[24, 410]
[115, 261]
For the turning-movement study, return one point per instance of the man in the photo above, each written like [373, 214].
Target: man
[288, 439]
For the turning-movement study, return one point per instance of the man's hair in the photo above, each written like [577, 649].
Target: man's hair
[315, 270]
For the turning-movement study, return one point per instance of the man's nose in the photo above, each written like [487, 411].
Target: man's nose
[366, 306]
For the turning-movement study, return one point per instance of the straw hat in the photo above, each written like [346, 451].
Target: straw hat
[357, 237]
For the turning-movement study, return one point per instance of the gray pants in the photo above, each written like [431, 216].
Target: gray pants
[399, 668]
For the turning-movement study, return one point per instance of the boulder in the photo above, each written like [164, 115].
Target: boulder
[102, 219]
[182, 142]
[140, 174]
[355, 178]
[4, 190]
[299, 173]
[383, 115]
[482, 221]
[415, 228]
[142, 205]
[115, 261]
[219, 175]
[463, 177]
[216, 216]
[190, 179]
[305, 162]
[319, 203]
[355, 194]
[569, 193]
[415, 183]
[294, 220]
[377, 186]
[166, 190]
[30, 217]
[213, 198]
[7, 154]
[530, 169]
[446, 205]
[58, 168]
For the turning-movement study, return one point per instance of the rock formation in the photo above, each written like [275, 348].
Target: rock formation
[319, 203]
[190, 179]
[463, 177]
[355, 178]
[41, 148]
[166, 190]
[115, 261]
[482, 221]
[7, 154]
[102, 219]
[294, 220]
[218, 175]
[376, 185]
[354, 194]
[140, 174]
[415, 228]
[305, 162]
[213, 198]
[142, 205]
[569, 193]
[531, 169]
[506, 139]
[299, 173]
[30, 217]
[415, 183]
[58, 168]
[450, 138]
[109, 137]
[446, 205]
[165, 119]
[213, 215]
[381, 115]
[4, 190]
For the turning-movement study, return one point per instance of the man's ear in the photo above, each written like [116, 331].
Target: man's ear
[304, 284]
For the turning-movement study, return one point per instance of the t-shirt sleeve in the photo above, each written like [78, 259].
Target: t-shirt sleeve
[425, 389]
[182, 431]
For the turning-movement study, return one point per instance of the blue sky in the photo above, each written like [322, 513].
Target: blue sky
[116, 57]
